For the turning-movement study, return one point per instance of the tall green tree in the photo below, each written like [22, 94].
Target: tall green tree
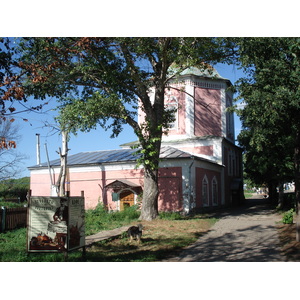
[104, 80]
[271, 123]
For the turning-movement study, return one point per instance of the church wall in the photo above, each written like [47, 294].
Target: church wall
[40, 184]
[232, 160]
[170, 189]
[173, 96]
[205, 150]
[209, 176]
[207, 112]
[94, 186]
[92, 180]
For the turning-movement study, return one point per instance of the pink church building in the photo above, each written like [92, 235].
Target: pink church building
[200, 168]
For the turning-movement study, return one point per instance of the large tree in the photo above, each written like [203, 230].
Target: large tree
[271, 120]
[266, 162]
[102, 80]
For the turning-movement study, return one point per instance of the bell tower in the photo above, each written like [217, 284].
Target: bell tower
[201, 120]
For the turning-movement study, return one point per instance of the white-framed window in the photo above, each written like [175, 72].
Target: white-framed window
[214, 191]
[205, 192]
[229, 119]
[233, 164]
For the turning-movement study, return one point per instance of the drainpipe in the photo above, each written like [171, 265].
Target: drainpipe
[49, 167]
[190, 181]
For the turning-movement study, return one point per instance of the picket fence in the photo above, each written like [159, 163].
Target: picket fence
[11, 218]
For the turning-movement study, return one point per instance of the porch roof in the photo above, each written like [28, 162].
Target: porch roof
[121, 183]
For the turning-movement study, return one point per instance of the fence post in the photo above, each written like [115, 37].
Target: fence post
[3, 212]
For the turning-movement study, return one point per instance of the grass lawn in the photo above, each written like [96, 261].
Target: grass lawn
[161, 238]
[248, 194]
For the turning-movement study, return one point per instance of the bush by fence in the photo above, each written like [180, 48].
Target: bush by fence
[11, 218]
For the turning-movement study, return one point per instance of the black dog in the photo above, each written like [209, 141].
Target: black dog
[135, 232]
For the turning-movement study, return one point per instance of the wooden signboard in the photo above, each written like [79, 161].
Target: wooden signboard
[55, 224]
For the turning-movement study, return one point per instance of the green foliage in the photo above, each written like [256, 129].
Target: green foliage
[270, 118]
[5, 70]
[100, 219]
[171, 216]
[15, 188]
[11, 204]
[288, 217]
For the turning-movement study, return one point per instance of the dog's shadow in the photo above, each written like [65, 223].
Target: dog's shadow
[135, 244]
[147, 240]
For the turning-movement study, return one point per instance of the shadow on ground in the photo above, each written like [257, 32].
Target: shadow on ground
[243, 234]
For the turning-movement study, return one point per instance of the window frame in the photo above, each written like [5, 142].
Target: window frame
[214, 191]
[205, 191]
[171, 102]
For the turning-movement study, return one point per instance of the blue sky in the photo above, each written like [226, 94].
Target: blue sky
[98, 139]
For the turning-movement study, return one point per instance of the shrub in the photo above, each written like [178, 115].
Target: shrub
[15, 188]
[11, 204]
[288, 217]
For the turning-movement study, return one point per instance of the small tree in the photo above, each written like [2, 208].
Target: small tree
[63, 154]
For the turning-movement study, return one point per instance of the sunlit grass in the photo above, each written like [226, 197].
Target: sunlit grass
[161, 238]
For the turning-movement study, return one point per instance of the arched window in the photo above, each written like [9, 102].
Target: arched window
[171, 103]
[205, 196]
[214, 191]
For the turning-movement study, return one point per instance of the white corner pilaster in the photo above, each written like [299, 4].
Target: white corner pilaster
[190, 107]
[223, 111]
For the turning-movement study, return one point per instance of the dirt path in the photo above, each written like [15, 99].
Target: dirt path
[244, 234]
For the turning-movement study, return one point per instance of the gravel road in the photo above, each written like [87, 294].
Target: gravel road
[244, 234]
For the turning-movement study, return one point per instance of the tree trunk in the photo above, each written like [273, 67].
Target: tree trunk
[272, 192]
[150, 196]
[61, 181]
[297, 183]
[280, 196]
[63, 170]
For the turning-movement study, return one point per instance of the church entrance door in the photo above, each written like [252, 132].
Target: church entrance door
[126, 199]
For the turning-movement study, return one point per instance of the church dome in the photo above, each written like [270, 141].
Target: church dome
[207, 71]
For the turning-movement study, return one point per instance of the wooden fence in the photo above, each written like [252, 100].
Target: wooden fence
[11, 218]
[14, 200]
